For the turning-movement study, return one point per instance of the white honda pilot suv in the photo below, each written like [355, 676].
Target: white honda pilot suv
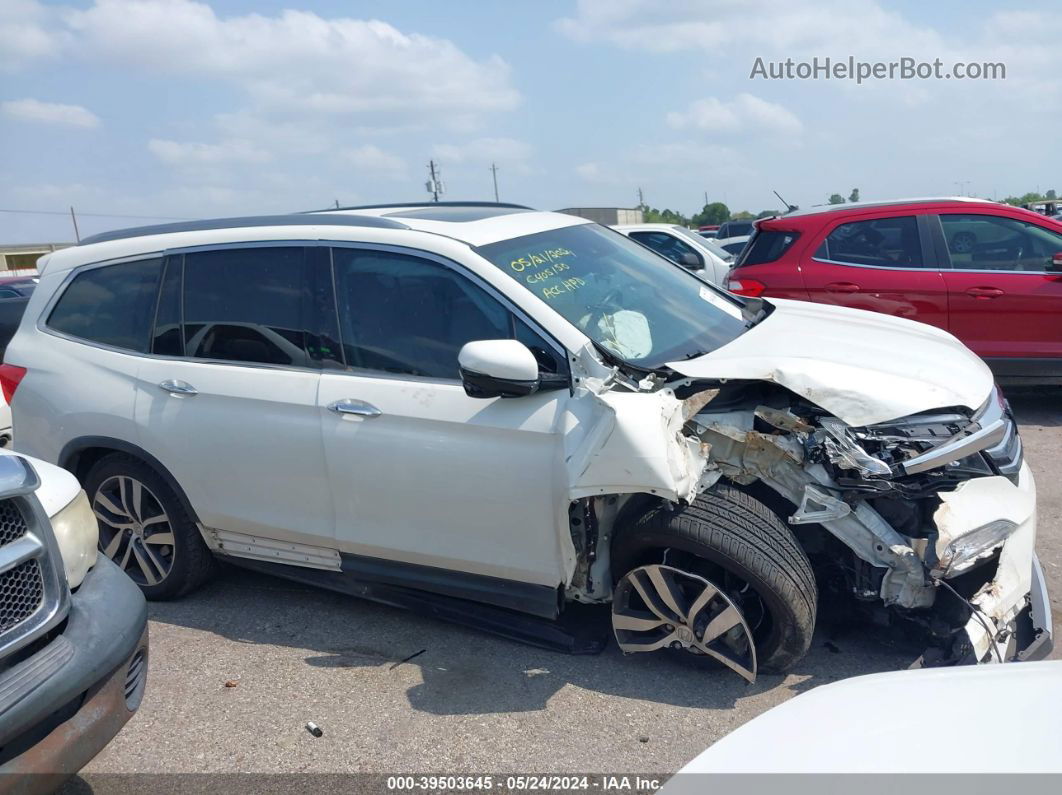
[492, 414]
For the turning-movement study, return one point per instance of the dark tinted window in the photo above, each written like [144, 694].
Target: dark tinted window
[987, 242]
[248, 305]
[11, 310]
[767, 246]
[401, 314]
[166, 339]
[735, 229]
[112, 305]
[884, 242]
[667, 245]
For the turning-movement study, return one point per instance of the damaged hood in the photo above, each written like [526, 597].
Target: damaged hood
[862, 367]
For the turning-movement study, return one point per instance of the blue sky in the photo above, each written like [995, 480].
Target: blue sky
[174, 108]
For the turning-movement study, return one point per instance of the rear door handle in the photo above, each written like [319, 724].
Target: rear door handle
[984, 292]
[842, 287]
[357, 407]
[175, 387]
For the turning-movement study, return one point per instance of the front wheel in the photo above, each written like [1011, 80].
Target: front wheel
[722, 577]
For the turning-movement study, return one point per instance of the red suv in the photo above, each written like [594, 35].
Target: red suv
[989, 273]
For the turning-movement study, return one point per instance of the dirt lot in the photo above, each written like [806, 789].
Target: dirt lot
[467, 702]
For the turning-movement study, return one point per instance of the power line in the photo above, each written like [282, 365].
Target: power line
[99, 215]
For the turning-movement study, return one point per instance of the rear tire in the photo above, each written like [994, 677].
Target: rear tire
[145, 529]
[738, 543]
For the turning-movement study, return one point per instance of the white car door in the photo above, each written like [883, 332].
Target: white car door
[228, 401]
[420, 472]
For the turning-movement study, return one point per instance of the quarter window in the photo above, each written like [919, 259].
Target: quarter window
[988, 242]
[411, 316]
[247, 305]
[112, 305]
[882, 242]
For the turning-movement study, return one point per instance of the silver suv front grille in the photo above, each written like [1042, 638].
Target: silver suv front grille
[33, 593]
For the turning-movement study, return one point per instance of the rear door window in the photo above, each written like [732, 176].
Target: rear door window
[881, 242]
[251, 305]
[111, 305]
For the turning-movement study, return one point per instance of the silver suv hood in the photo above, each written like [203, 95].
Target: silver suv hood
[862, 367]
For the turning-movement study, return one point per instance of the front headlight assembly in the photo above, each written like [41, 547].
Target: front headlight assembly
[78, 535]
[961, 553]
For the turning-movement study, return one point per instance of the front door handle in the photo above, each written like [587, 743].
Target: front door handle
[175, 387]
[357, 407]
[984, 292]
[842, 287]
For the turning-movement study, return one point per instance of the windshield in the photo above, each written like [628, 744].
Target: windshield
[639, 306]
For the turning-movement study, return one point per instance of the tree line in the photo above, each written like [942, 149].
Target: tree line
[715, 213]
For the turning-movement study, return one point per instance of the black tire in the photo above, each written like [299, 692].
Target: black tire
[731, 538]
[190, 561]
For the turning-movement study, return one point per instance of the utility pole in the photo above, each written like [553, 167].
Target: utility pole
[641, 198]
[434, 184]
[73, 218]
[337, 204]
[706, 198]
[494, 173]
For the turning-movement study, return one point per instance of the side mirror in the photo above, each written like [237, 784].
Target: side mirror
[498, 368]
[1055, 263]
[691, 261]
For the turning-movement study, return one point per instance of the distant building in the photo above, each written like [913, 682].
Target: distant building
[24, 257]
[609, 216]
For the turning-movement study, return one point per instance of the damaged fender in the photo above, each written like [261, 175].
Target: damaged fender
[634, 443]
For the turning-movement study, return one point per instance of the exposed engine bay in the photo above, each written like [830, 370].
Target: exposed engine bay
[930, 517]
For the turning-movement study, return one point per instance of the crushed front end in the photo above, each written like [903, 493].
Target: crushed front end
[935, 513]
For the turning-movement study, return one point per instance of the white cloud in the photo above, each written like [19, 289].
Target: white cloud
[744, 114]
[33, 110]
[29, 31]
[795, 26]
[190, 153]
[298, 61]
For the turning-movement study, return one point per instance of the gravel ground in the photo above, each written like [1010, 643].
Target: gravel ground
[467, 702]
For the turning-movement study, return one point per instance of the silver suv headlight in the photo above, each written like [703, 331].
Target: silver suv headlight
[78, 535]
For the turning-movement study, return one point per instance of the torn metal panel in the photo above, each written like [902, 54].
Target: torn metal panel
[635, 443]
[778, 460]
[971, 506]
[862, 381]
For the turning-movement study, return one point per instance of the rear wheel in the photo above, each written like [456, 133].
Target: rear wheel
[145, 529]
[722, 577]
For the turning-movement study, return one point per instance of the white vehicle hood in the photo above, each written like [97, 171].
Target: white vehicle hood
[865, 725]
[862, 367]
[58, 487]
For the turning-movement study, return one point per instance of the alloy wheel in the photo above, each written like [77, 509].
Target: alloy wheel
[135, 530]
[658, 607]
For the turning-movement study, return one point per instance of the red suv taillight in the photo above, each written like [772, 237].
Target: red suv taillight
[749, 287]
[10, 377]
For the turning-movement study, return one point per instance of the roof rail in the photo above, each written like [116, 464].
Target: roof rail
[299, 219]
[422, 204]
